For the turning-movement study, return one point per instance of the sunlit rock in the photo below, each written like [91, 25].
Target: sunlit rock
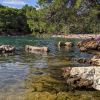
[35, 49]
[83, 76]
[69, 44]
[83, 49]
[96, 60]
[7, 49]
[89, 44]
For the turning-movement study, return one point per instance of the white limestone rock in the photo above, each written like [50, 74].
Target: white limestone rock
[91, 73]
[35, 49]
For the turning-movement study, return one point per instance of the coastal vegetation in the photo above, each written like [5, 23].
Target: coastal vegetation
[12, 21]
[52, 17]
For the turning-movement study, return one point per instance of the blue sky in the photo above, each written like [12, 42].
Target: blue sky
[18, 3]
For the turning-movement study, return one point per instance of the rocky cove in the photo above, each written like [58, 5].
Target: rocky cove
[25, 76]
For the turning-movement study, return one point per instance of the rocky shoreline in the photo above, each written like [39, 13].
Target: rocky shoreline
[78, 36]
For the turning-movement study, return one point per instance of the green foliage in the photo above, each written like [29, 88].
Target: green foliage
[78, 3]
[54, 16]
[13, 21]
[62, 19]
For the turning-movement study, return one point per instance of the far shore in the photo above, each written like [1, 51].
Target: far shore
[78, 36]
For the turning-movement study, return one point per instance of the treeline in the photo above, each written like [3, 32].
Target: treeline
[52, 17]
[71, 16]
[13, 21]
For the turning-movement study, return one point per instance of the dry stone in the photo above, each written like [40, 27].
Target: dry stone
[87, 76]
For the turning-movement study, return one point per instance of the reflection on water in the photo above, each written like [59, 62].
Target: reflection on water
[38, 76]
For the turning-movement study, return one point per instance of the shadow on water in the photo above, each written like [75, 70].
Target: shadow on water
[37, 76]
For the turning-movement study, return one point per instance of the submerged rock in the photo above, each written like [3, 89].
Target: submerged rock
[82, 60]
[88, 77]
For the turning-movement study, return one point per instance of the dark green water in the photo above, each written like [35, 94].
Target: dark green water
[38, 76]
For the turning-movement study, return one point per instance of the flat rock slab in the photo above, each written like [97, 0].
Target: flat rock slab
[36, 49]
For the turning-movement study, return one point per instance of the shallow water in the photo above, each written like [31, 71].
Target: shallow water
[38, 76]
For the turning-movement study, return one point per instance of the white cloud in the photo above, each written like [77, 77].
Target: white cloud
[14, 2]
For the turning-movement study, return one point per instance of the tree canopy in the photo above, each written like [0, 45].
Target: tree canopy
[13, 21]
[72, 16]
[53, 16]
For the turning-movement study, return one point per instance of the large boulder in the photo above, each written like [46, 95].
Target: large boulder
[7, 49]
[88, 77]
[89, 44]
[35, 49]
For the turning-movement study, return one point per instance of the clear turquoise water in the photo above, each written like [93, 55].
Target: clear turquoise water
[19, 69]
